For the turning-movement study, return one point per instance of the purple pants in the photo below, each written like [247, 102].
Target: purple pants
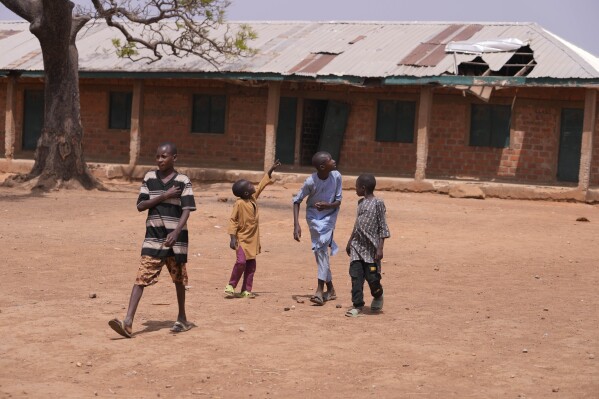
[244, 267]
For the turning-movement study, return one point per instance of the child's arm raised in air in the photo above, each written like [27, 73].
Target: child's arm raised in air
[273, 167]
[173, 192]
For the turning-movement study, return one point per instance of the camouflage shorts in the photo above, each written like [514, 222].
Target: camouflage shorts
[150, 268]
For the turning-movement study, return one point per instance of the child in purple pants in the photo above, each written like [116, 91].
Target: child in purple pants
[245, 234]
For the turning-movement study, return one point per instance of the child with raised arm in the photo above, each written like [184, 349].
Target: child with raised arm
[323, 190]
[168, 197]
[245, 234]
[365, 246]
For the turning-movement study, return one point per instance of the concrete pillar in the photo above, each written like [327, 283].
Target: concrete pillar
[588, 130]
[136, 118]
[272, 118]
[424, 118]
[9, 121]
[299, 116]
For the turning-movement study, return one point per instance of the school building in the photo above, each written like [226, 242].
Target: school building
[469, 102]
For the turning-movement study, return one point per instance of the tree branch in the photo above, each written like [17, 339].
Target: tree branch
[26, 9]
[173, 27]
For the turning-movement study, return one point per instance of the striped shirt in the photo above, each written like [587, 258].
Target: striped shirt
[164, 217]
[370, 227]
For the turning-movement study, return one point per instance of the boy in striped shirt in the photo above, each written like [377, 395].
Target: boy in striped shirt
[168, 197]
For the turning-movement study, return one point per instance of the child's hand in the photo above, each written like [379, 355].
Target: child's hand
[273, 167]
[171, 238]
[348, 249]
[173, 192]
[321, 206]
[379, 254]
[297, 233]
[233, 243]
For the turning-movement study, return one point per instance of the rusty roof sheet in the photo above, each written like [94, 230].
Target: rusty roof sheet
[321, 49]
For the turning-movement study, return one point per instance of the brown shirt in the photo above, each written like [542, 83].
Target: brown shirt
[244, 221]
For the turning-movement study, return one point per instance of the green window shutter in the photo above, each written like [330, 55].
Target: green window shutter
[208, 114]
[480, 125]
[406, 112]
[500, 126]
[217, 114]
[490, 125]
[120, 110]
[285, 148]
[395, 121]
[200, 114]
[386, 121]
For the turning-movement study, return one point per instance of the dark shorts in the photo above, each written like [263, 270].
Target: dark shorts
[150, 268]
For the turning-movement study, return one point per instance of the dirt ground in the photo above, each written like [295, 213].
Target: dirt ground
[483, 299]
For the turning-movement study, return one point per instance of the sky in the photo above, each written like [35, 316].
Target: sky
[573, 20]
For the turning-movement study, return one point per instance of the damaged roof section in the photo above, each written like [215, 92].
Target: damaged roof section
[432, 51]
[501, 57]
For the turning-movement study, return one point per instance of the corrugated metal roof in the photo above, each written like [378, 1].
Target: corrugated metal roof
[281, 46]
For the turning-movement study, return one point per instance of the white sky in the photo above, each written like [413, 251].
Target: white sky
[576, 21]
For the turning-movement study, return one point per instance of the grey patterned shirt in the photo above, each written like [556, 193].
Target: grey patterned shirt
[370, 227]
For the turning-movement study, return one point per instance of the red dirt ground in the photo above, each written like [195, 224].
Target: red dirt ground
[483, 299]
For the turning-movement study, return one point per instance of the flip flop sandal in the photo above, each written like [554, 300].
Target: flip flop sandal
[179, 327]
[329, 297]
[317, 300]
[354, 312]
[377, 304]
[119, 326]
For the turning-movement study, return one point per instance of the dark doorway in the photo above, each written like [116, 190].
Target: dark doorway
[312, 121]
[335, 122]
[33, 118]
[568, 164]
[323, 127]
[285, 149]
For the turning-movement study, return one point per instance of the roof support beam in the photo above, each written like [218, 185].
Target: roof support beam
[9, 121]
[298, 131]
[424, 122]
[136, 126]
[272, 118]
[588, 130]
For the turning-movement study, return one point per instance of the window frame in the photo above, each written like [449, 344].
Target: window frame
[127, 113]
[493, 134]
[403, 107]
[212, 126]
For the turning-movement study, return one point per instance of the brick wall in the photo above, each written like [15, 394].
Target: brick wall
[531, 157]
[361, 152]
[534, 141]
[167, 116]
[100, 143]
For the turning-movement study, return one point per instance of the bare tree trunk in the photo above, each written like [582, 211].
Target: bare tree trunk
[59, 157]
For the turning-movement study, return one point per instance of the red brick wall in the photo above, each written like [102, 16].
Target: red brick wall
[167, 116]
[534, 141]
[99, 142]
[531, 157]
[361, 152]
